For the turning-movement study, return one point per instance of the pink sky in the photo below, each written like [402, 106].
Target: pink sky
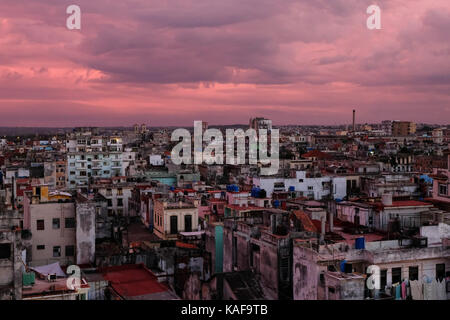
[170, 62]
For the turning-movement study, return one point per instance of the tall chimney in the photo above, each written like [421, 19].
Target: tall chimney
[354, 120]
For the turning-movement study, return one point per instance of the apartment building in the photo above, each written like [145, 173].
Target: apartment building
[260, 123]
[51, 219]
[60, 174]
[403, 128]
[348, 259]
[172, 216]
[117, 193]
[441, 186]
[93, 156]
[305, 184]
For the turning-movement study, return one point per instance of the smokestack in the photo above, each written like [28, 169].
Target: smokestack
[354, 120]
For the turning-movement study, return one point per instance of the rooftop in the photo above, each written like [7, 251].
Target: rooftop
[136, 282]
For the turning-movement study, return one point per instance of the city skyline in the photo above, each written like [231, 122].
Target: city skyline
[180, 61]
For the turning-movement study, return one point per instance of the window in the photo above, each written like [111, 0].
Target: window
[5, 251]
[120, 202]
[443, 189]
[55, 223]
[310, 188]
[70, 251]
[440, 271]
[414, 273]
[40, 247]
[56, 251]
[383, 278]
[70, 223]
[396, 275]
[40, 224]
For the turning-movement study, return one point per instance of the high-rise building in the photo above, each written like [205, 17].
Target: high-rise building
[386, 126]
[403, 128]
[260, 123]
[91, 156]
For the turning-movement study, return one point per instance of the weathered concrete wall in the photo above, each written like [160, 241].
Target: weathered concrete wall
[50, 237]
[85, 234]
[10, 267]
[210, 244]
[227, 250]
[269, 267]
[242, 252]
[305, 274]
[192, 288]
[344, 288]
[50, 174]
[435, 234]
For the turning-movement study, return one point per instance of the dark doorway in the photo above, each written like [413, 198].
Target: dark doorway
[173, 224]
[187, 223]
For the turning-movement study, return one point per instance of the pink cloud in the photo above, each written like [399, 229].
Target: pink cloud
[172, 62]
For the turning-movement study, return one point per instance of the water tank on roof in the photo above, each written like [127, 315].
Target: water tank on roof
[276, 203]
[342, 265]
[255, 191]
[360, 243]
[291, 188]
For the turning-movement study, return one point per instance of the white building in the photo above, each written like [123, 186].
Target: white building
[317, 187]
[94, 156]
[156, 160]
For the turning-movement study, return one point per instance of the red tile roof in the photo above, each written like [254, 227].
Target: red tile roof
[133, 280]
[308, 225]
[408, 203]
[316, 154]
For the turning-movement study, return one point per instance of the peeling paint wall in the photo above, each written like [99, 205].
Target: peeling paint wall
[10, 268]
[305, 274]
[85, 235]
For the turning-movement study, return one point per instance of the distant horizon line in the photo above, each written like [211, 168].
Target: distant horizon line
[219, 125]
